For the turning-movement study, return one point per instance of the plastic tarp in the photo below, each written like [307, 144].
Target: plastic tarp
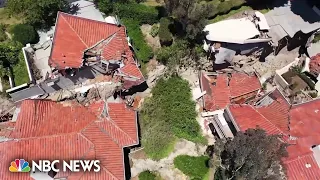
[232, 31]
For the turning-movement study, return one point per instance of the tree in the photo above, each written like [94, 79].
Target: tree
[9, 53]
[39, 13]
[251, 155]
[191, 14]
[24, 34]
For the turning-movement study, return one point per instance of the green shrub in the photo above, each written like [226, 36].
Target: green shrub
[165, 35]
[157, 138]
[194, 167]
[20, 71]
[154, 30]
[169, 113]
[139, 12]
[105, 6]
[142, 50]
[171, 55]
[147, 175]
[3, 35]
[24, 34]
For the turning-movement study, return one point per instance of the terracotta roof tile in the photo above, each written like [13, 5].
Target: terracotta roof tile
[297, 170]
[241, 84]
[220, 90]
[247, 117]
[41, 118]
[108, 152]
[65, 147]
[84, 33]
[304, 131]
[51, 130]
[277, 112]
[124, 118]
[315, 64]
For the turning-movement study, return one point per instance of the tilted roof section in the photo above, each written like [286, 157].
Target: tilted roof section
[221, 88]
[51, 130]
[73, 35]
[232, 31]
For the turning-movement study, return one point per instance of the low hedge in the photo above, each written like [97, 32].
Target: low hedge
[142, 50]
[165, 35]
[141, 13]
[194, 167]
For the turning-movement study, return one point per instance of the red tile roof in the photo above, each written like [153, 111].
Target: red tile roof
[277, 111]
[315, 64]
[297, 170]
[304, 131]
[73, 35]
[51, 130]
[221, 88]
[248, 117]
[241, 84]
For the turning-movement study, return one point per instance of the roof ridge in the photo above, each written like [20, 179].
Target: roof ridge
[74, 30]
[267, 119]
[40, 137]
[77, 17]
[298, 158]
[116, 126]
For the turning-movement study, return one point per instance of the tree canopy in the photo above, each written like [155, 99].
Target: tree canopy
[251, 155]
[24, 34]
[39, 13]
[191, 14]
[9, 56]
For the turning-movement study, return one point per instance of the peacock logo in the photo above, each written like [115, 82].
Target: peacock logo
[19, 165]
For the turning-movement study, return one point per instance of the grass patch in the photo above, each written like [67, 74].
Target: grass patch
[6, 19]
[167, 115]
[231, 13]
[194, 167]
[20, 72]
[206, 176]
[142, 50]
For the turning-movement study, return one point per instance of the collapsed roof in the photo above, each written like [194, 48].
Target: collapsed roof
[238, 31]
[75, 35]
[221, 88]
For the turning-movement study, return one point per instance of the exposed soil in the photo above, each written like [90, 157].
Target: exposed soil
[165, 167]
[152, 41]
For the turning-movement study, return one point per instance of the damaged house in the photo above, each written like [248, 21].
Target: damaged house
[293, 25]
[218, 91]
[84, 49]
[244, 36]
